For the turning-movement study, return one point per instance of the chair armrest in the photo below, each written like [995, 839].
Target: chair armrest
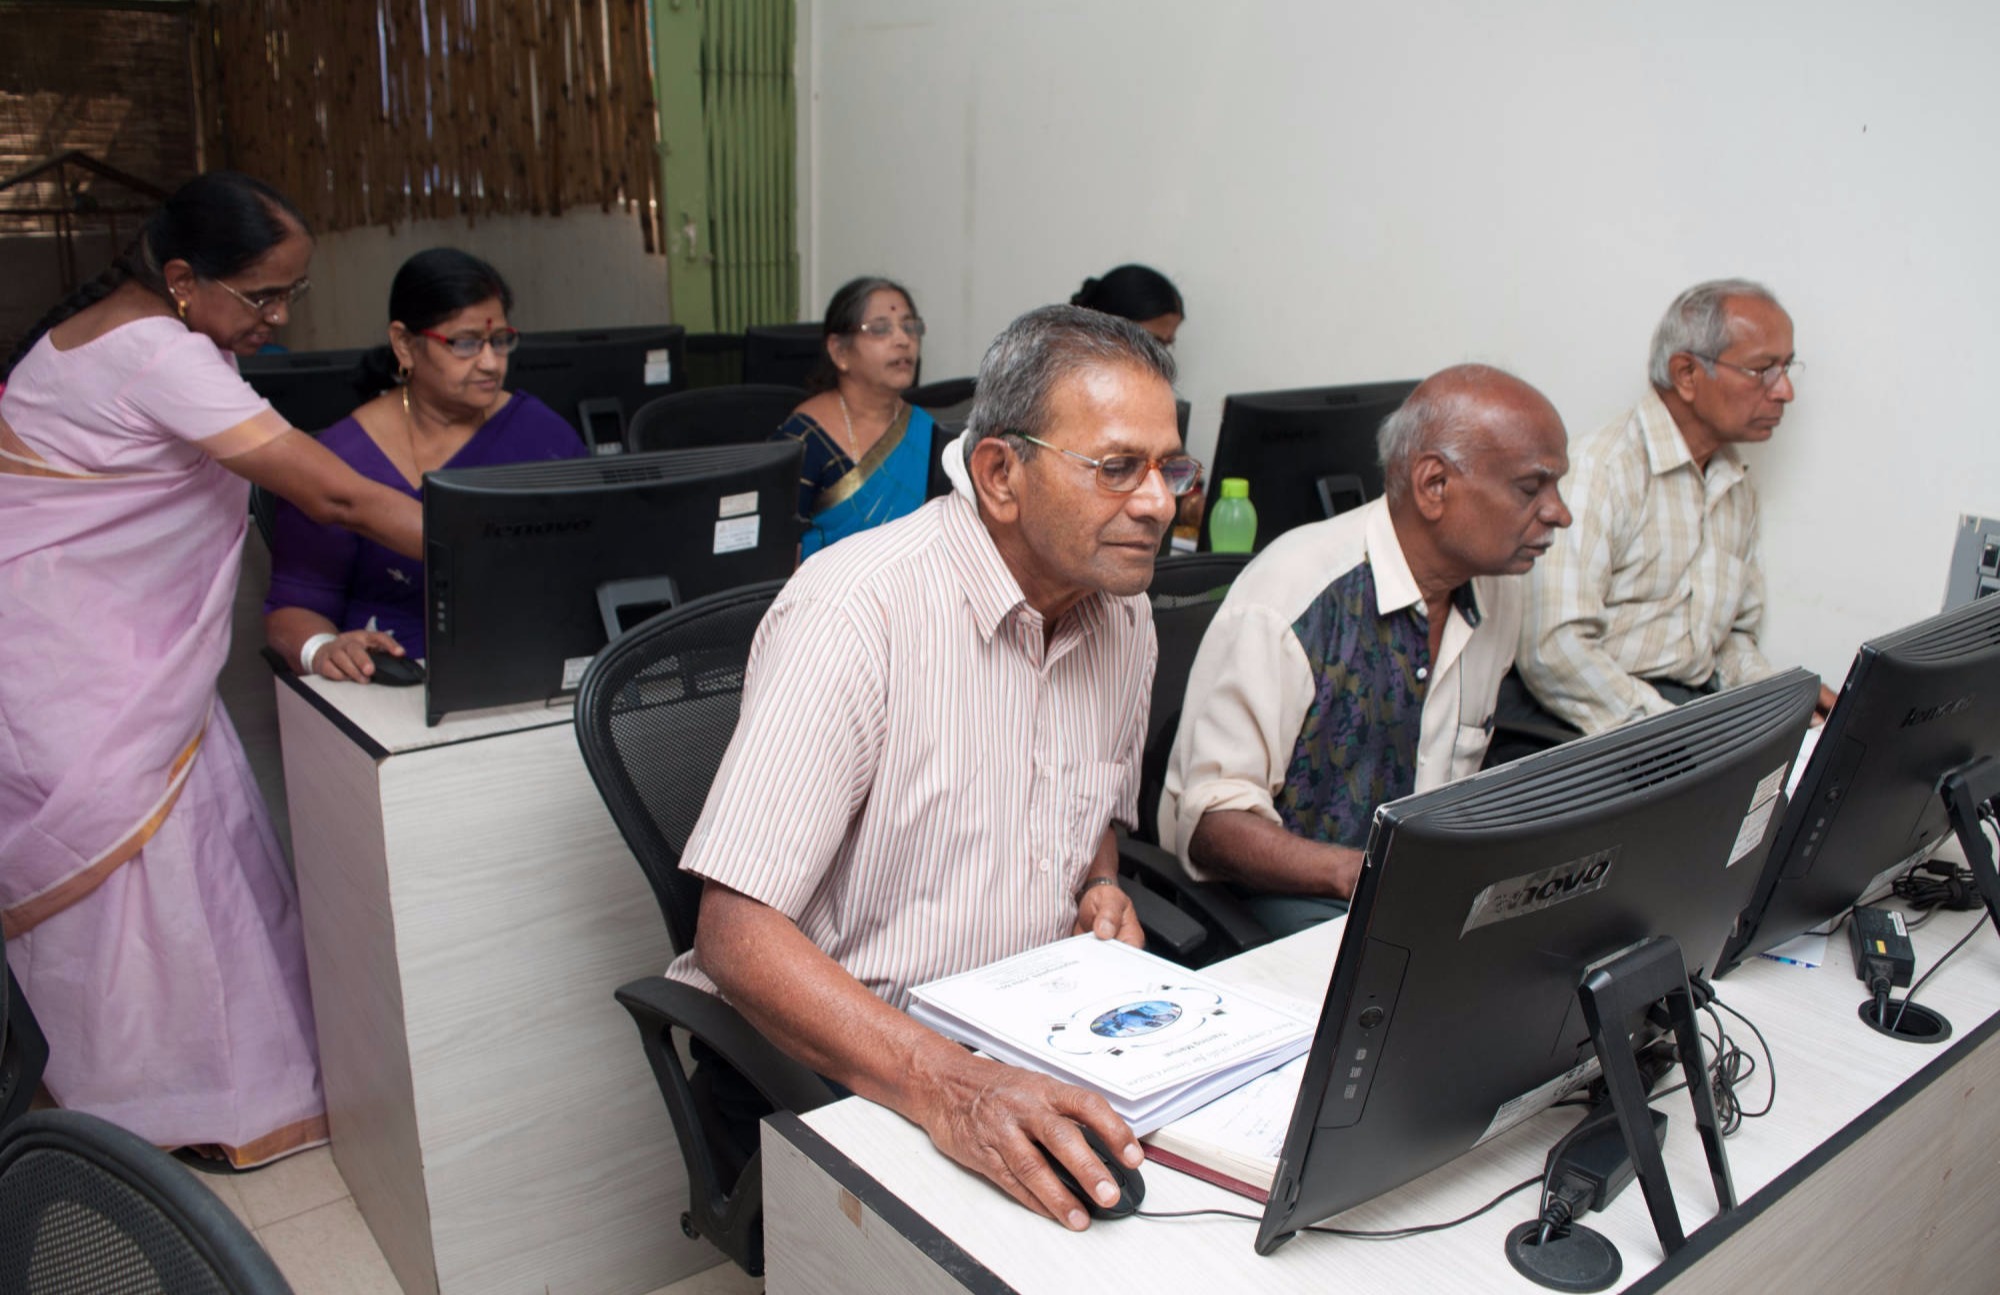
[785, 1083]
[1219, 911]
[1168, 930]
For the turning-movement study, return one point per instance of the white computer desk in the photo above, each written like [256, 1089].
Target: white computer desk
[469, 909]
[1878, 1170]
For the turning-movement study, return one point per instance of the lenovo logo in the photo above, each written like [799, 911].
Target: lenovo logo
[1925, 715]
[536, 530]
[1519, 896]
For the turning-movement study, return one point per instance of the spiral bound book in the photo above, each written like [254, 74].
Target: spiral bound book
[1155, 1039]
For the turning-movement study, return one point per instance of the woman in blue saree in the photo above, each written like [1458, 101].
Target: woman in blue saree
[867, 453]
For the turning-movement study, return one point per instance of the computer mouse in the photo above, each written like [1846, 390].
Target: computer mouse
[1131, 1187]
[395, 671]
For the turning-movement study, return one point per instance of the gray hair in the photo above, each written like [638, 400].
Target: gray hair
[1441, 418]
[1038, 352]
[1697, 324]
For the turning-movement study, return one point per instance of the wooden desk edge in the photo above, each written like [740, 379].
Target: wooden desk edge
[1719, 1231]
[892, 1209]
[970, 1273]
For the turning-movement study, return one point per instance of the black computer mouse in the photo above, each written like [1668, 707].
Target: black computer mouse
[395, 671]
[1131, 1187]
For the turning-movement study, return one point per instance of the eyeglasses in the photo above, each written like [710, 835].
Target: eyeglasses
[263, 301]
[1768, 375]
[1122, 473]
[880, 328]
[502, 340]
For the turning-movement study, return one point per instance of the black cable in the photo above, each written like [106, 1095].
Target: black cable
[1770, 1065]
[1393, 1234]
[1969, 933]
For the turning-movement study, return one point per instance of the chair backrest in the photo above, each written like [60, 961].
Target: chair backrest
[951, 398]
[1185, 593]
[24, 1050]
[87, 1207]
[689, 420]
[784, 353]
[654, 715]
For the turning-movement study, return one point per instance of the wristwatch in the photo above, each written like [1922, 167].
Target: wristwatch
[1094, 881]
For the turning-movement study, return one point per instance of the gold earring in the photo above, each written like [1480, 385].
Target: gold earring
[180, 304]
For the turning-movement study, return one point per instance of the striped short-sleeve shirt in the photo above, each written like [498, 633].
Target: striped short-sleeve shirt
[918, 779]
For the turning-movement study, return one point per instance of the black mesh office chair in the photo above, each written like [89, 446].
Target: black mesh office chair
[1185, 593]
[654, 715]
[782, 353]
[711, 416]
[24, 1050]
[87, 1208]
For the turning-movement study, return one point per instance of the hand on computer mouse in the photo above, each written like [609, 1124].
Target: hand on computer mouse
[1131, 1186]
[350, 657]
[393, 671]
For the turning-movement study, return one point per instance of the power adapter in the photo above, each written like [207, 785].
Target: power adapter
[1593, 1166]
[1880, 943]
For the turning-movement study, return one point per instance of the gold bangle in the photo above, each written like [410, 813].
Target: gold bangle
[1094, 881]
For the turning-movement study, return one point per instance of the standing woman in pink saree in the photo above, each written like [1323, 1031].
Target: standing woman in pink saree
[148, 913]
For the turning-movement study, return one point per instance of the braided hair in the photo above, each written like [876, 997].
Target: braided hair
[219, 223]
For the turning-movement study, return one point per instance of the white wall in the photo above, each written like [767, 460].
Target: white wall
[583, 269]
[1351, 192]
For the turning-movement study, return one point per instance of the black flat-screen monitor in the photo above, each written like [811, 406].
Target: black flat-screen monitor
[1917, 704]
[1285, 442]
[531, 568]
[311, 390]
[782, 354]
[597, 378]
[1453, 1012]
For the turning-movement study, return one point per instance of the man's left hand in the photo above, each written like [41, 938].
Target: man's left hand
[1107, 913]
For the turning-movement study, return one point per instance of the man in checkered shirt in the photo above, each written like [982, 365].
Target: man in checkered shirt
[1656, 594]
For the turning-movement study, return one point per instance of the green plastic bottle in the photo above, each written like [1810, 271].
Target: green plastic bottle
[1232, 528]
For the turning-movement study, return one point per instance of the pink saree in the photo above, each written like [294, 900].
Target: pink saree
[148, 912]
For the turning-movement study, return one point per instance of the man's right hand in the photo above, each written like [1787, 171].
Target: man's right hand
[1005, 1122]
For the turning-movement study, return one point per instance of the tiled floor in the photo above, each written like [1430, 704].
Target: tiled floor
[301, 1211]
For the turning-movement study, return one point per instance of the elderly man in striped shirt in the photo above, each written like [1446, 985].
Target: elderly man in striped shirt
[1656, 594]
[941, 720]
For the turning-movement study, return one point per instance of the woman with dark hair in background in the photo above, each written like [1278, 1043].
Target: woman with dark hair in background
[1138, 293]
[334, 595]
[149, 916]
[867, 452]
[1150, 300]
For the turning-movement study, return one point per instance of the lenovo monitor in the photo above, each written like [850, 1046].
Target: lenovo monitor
[1453, 1013]
[1917, 704]
[531, 568]
[1285, 443]
[597, 378]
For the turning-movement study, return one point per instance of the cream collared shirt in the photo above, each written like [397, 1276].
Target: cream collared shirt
[1657, 578]
[1253, 685]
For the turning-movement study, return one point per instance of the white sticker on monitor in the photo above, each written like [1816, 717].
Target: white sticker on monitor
[735, 534]
[1763, 804]
[659, 368]
[1536, 1100]
[573, 669]
[737, 505]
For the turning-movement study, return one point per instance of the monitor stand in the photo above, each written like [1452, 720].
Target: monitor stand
[1613, 994]
[1968, 791]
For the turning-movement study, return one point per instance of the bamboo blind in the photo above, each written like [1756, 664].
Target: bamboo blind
[375, 112]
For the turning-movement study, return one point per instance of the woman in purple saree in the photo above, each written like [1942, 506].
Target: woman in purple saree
[148, 913]
[335, 595]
